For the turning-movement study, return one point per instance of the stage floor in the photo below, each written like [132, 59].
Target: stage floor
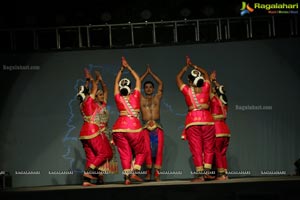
[275, 187]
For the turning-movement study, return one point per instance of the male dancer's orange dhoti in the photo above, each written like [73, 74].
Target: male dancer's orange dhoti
[154, 140]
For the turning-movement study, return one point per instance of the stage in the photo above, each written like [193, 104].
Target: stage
[275, 187]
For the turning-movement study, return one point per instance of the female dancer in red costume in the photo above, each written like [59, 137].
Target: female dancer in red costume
[199, 124]
[219, 113]
[95, 143]
[127, 129]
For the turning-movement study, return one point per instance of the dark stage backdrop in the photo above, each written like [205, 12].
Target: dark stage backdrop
[40, 118]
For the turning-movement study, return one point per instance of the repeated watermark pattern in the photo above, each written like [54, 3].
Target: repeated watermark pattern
[163, 172]
[273, 172]
[27, 172]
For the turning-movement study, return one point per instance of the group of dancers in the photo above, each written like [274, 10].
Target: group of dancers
[138, 134]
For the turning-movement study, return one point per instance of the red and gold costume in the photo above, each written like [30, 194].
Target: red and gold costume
[154, 139]
[95, 143]
[127, 131]
[219, 113]
[199, 129]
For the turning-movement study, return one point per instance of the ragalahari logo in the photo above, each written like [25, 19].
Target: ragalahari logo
[246, 9]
